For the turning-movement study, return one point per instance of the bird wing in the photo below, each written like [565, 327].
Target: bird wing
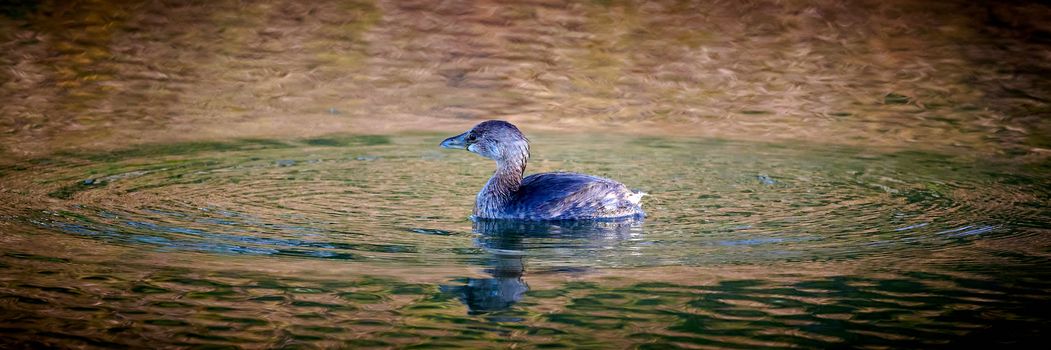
[572, 195]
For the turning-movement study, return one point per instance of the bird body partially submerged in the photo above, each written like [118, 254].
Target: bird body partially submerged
[545, 196]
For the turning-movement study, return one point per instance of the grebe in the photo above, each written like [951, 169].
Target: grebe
[545, 196]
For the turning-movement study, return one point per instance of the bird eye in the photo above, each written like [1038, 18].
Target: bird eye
[471, 138]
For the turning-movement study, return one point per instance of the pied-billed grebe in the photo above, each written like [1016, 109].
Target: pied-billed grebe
[546, 196]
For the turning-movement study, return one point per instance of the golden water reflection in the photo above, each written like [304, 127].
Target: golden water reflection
[265, 173]
[953, 75]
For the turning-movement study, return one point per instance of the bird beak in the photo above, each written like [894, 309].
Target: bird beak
[456, 142]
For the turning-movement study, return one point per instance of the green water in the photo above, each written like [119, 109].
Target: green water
[365, 241]
[266, 174]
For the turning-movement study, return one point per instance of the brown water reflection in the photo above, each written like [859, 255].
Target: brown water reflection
[898, 73]
[363, 241]
[117, 297]
[265, 173]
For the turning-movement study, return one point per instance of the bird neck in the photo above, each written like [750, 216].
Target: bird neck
[499, 191]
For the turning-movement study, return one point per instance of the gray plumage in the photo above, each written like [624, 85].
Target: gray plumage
[545, 196]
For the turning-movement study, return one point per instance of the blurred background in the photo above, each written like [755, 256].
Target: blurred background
[947, 74]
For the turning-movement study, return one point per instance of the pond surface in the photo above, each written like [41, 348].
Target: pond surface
[266, 174]
[365, 241]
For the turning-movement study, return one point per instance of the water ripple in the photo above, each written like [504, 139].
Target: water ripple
[824, 248]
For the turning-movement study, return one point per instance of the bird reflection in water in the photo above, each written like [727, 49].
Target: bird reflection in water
[510, 242]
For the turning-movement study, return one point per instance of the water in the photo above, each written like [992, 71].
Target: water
[365, 241]
[890, 73]
[266, 174]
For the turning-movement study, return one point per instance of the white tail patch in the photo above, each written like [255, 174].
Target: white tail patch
[636, 197]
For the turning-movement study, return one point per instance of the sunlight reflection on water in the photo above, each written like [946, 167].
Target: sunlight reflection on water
[821, 174]
[914, 234]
